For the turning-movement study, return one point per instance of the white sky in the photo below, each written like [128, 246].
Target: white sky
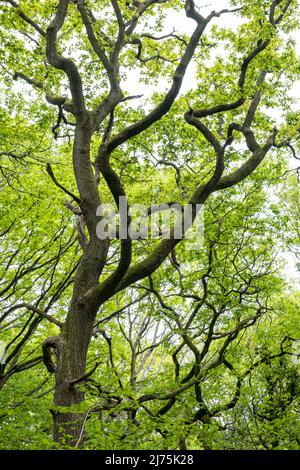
[182, 24]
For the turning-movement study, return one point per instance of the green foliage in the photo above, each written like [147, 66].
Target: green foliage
[203, 353]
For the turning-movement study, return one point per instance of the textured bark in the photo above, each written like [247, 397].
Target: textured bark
[73, 346]
[73, 343]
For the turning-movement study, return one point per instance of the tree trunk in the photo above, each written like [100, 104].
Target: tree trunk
[72, 352]
[72, 344]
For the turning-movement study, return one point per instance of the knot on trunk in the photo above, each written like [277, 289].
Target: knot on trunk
[50, 348]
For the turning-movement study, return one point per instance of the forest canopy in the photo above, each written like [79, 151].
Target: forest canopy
[183, 112]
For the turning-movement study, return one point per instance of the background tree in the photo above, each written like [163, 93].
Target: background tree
[34, 270]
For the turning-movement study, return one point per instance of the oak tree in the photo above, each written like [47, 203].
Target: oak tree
[68, 64]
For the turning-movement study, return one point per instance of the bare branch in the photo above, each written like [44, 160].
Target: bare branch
[25, 17]
[34, 309]
[62, 63]
[52, 176]
[84, 377]
[171, 95]
[51, 343]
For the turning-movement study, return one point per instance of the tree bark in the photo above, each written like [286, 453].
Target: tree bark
[73, 343]
[72, 353]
